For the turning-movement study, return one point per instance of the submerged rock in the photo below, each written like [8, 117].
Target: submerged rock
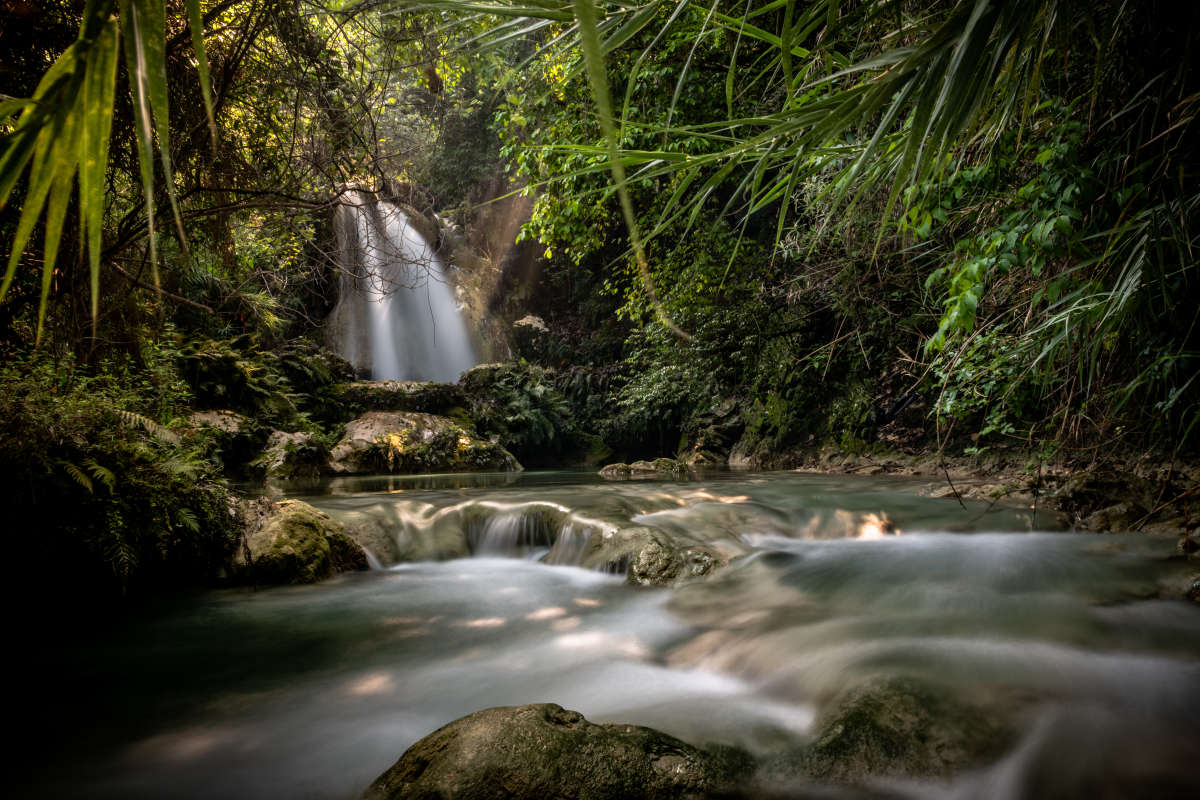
[899, 726]
[545, 751]
[292, 542]
[409, 442]
[1117, 517]
[648, 556]
[658, 468]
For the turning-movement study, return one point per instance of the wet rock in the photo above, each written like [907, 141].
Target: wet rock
[658, 565]
[345, 553]
[545, 751]
[616, 471]
[409, 442]
[425, 396]
[658, 468]
[648, 556]
[1117, 517]
[292, 542]
[1086, 493]
[371, 536]
[898, 726]
[292, 455]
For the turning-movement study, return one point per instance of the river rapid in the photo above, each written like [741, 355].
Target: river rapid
[1059, 638]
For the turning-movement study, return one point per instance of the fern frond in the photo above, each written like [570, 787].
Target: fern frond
[159, 432]
[101, 473]
[180, 467]
[187, 518]
[78, 475]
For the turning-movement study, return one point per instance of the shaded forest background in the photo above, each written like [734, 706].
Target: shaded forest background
[915, 226]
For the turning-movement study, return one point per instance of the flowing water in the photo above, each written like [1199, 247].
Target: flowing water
[396, 316]
[310, 692]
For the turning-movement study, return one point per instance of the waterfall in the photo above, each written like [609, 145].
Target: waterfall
[396, 317]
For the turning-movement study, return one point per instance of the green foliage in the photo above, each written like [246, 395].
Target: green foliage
[288, 387]
[111, 494]
[64, 129]
[520, 405]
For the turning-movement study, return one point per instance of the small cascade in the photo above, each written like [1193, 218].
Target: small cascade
[396, 317]
[511, 533]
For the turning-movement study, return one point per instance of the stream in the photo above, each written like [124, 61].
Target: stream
[313, 691]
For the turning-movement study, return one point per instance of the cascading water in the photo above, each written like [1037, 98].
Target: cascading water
[396, 317]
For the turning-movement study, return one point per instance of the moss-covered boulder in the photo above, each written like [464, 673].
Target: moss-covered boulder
[899, 726]
[409, 442]
[545, 751]
[425, 396]
[658, 468]
[292, 542]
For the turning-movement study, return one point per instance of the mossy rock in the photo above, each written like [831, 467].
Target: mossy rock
[900, 726]
[658, 468]
[412, 443]
[424, 396]
[292, 542]
[545, 751]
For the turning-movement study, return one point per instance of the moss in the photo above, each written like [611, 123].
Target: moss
[293, 546]
[902, 727]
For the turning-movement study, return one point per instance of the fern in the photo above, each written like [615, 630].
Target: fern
[122, 559]
[180, 467]
[159, 432]
[187, 519]
[101, 473]
[78, 475]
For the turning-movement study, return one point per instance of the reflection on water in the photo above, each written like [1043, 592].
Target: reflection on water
[313, 691]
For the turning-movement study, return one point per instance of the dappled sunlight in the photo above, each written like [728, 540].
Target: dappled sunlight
[551, 612]
[373, 684]
[483, 622]
[604, 643]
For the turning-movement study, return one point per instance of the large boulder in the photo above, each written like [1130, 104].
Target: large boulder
[544, 751]
[409, 442]
[292, 542]
[899, 726]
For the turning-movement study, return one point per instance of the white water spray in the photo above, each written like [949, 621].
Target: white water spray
[396, 317]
